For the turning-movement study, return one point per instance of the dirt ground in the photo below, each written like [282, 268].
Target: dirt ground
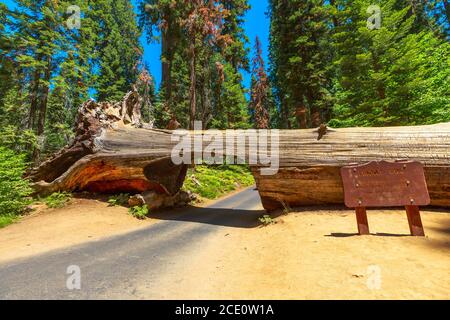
[316, 255]
[81, 221]
[313, 254]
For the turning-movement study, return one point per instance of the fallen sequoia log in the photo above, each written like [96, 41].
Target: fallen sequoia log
[115, 152]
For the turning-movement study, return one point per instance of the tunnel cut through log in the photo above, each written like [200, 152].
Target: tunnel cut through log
[115, 152]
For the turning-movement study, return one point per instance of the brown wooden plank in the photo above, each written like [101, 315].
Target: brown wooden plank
[362, 221]
[415, 221]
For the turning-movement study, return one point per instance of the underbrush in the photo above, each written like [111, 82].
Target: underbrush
[139, 212]
[212, 182]
[14, 190]
[57, 199]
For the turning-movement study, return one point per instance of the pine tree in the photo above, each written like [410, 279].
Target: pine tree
[388, 76]
[220, 55]
[119, 50]
[7, 67]
[202, 26]
[38, 37]
[164, 16]
[229, 101]
[55, 67]
[236, 52]
[259, 102]
[13, 104]
[230, 112]
[301, 56]
[78, 71]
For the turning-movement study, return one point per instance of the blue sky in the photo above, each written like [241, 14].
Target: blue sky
[257, 24]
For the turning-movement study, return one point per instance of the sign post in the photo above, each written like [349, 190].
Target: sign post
[386, 184]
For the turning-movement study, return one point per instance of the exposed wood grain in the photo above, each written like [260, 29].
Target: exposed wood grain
[113, 145]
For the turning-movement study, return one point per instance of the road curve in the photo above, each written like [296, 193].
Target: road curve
[114, 267]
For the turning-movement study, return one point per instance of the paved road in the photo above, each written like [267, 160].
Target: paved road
[113, 267]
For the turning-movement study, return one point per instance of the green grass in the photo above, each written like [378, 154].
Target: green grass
[6, 220]
[212, 182]
[57, 199]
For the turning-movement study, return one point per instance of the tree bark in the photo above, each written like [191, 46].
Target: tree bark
[167, 51]
[42, 112]
[115, 152]
[34, 99]
[193, 89]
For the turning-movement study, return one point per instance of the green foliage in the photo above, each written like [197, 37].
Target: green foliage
[139, 212]
[21, 141]
[58, 200]
[7, 220]
[14, 189]
[219, 59]
[48, 70]
[230, 111]
[325, 59]
[119, 200]
[324, 62]
[119, 50]
[301, 60]
[397, 75]
[213, 182]
[266, 220]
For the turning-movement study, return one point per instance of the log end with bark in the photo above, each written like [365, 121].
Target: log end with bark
[93, 163]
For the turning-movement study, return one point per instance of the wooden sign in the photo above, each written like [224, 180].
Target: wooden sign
[386, 184]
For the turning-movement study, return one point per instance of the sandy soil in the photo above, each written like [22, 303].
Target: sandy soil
[313, 254]
[316, 255]
[83, 220]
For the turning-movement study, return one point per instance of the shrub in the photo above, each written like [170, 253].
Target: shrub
[139, 212]
[20, 141]
[57, 199]
[14, 189]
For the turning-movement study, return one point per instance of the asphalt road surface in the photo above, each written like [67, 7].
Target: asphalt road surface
[112, 268]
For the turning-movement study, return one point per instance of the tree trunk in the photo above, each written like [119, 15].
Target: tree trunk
[167, 51]
[114, 152]
[193, 89]
[42, 110]
[34, 99]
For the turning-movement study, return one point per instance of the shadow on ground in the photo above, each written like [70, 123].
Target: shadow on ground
[349, 235]
[234, 218]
